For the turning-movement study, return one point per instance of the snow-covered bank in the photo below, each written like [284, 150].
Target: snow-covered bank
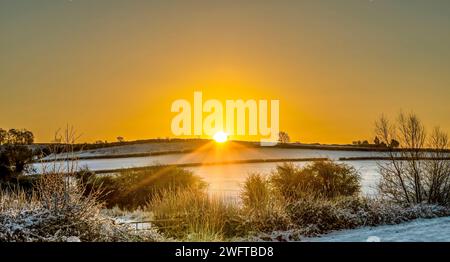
[152, 147]
[420, 230]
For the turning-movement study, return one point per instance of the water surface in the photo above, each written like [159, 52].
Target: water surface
[228, 179]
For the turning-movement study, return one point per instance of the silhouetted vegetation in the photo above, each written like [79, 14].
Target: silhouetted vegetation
[15, 153]
[361, 143]
[283, 137]
[394, 143]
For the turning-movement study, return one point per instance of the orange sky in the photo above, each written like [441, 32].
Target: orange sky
[113, 68]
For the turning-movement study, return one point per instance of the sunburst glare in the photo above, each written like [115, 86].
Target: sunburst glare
[220, 137]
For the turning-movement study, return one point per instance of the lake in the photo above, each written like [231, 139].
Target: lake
[227, 179]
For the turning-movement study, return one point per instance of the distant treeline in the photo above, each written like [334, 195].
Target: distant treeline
[368, 147]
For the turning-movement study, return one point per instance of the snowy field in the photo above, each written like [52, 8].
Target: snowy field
[154, 147]
[420, 230]
[173, 146]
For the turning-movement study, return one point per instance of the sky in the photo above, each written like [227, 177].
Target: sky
[113, 68]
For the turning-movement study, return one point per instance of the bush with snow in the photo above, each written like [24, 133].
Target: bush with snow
[318, 199]
[319, 216]
[58, 211]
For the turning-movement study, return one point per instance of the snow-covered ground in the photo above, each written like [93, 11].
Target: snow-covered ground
[136, 220]
[420, 230]
[153, 147]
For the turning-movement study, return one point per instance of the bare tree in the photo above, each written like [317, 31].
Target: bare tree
[394, 143]
[418, 171]
[376, 141]
[283, 137]
[58, 187]
[438, 169]
[120, 139]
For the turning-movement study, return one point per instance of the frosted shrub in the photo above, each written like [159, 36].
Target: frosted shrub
[384, 212]
[321, 215]
[28, 218]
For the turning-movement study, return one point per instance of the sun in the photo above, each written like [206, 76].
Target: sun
[220, 137]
